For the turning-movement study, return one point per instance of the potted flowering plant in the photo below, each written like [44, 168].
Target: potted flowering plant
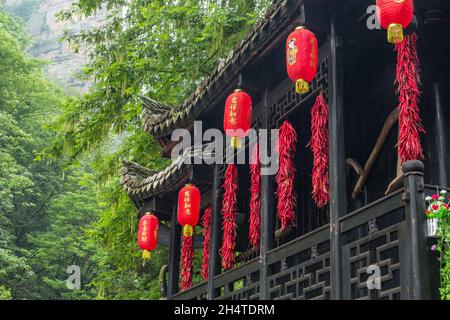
[437, 211]
[438, 220]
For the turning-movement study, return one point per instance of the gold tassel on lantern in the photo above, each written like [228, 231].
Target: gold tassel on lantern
[146, 255]
[395, 33]
[301, 86]
[188, 231]
[236, 143]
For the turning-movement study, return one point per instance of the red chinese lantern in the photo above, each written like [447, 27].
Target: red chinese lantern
[188, 217]
[237, 120]
[395, 16]
[302, 56]
[148, 234]
[189, 208]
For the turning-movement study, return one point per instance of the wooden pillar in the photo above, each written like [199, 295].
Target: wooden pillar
[441, 141]
[267, 233]
[267, 213]
[431, 36]
[174, 254]
[417, 280]
[215, 262]
[338, 197]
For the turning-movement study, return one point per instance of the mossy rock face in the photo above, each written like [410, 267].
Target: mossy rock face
[46, 32]
[22, 8]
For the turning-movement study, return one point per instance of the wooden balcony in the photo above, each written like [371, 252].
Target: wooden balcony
[388, 233]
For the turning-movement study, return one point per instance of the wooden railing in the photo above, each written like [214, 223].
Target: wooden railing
[386, 234]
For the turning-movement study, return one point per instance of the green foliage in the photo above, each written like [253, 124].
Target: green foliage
[159, 48]
[162, 49]
[64, 242]
[443, 248]
[62, 203]
[43, 210]
[5, 294]
[439, 208]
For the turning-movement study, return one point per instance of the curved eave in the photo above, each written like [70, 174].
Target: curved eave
[141, 186]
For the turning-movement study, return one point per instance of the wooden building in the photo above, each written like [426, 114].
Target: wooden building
[327, 254]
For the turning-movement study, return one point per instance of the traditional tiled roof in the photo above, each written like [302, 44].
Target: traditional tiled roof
[264, 32]
[141, 186]
[141, 183]
[154, 106]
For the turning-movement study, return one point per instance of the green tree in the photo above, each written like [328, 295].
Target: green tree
[162, 49]
[43, 209]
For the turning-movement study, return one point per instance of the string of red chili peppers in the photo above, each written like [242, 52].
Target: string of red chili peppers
[319, 148]
[186, 262]
[286, 173]
[229, 212]
[255, 200]
[408, 81]
[206, 224]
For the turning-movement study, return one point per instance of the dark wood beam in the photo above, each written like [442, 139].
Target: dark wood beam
[174, 254]
[441, 141]
[338, 198]
[164, 237]
[202, 174]
[267, 214]
[159, 207]
[206, 200]
[431, 35]
[215, 262]
[391, 121]
[250, 81]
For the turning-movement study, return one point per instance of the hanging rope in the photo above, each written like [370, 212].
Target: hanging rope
[229, 212]
[206, 224]
[255, 200]
[408, 82]
[186, 262]
[319, 148]
[285, 177]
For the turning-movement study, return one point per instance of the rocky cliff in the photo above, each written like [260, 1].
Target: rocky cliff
[46, 33]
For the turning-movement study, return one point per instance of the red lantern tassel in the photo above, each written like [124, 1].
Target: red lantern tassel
[206, 223]
[285, 177]
[255, 201]
[319, 148]
[408, 81]
[229, 212]
[186, 262]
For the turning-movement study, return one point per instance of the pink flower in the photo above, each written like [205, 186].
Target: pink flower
[435, 207]
[435, 197]
[445, 206]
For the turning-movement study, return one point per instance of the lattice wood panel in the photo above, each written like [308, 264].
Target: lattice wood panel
[285, 99]
[241, 283]
[306, 281]
[300, 270]
[379, 248]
